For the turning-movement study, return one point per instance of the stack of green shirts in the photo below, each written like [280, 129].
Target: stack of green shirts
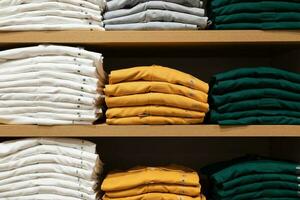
[260, 95]
[255, 14]
[257, 179]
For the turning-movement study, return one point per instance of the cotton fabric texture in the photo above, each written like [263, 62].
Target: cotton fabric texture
[255, 179]
[46, 168]
[51, 85]
[155, 15]
[255, 14]
[149, 183]
[32, 15]
[259, 95]
[155, 95]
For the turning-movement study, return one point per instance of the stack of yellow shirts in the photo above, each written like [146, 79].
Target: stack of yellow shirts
[153, 183]
[155, 95]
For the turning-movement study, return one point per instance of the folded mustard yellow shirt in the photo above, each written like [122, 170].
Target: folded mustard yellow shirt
[157, 73]
[157, 196]
[156, 188]
[144, 111]
[160, 99]
[116, 181]
[154, 120]
[141, 87]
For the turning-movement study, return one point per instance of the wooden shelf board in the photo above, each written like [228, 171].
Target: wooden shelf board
[152, 38]
[149, 131]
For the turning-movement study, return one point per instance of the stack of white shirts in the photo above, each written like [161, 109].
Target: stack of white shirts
[24, 15]
[51, 85]
[155, 15]
[48, 169]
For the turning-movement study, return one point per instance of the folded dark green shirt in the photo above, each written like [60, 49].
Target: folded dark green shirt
[259, 26]
[248, 94]
[258, 17]
[257, 72]
[256, 7]
[278, 198]
[255, 178]
[262, 120]
[268, 193]
[266, 103]
[220, 3]
[217, 118]
[226, 86]
[242, 189]
[255, 167]
[213, 168]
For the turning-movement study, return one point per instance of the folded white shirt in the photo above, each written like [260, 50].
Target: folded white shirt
[21, 110]
[13, 146]
[51, 82]
[51, 27]
[47, 190]
[86, 80]
[159, 5]
[49, 90]
[50, 50]
[20, 120]
[66, 64]
[64, 98]
[55, 27]
[6, 11]
[50, 149]
[22, 103]
[57, 176]
[119, 4]
[47, 182]
[43, 197]
[50, 168]
[57, 13]
[54, 116]
[42, 118]
[84, 70]
[50, 159]
[47, 20]
[80, 3]
[159, 16]
[73, 60]
[152, 26]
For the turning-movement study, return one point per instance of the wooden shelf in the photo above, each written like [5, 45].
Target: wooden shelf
[149, 131]
[153, 38]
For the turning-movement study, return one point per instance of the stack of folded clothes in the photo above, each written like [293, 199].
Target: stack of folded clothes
[155, 95]
[60, 169]
[26, 15]
[255, 179]
[155, 15]
[50, 85]
[260, 95]
[255, 14]
[153, 183]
